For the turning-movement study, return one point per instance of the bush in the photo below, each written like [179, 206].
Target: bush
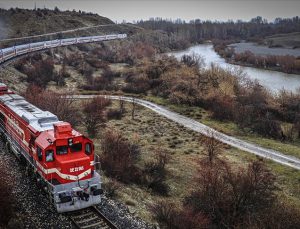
[222, 107]
[114, 114]
[172, 217]
[111, 188]
[40, 73]
[267, 126]
[155, 172]
[230, 198]
[94, 114]
[137, 84]
[119, 158]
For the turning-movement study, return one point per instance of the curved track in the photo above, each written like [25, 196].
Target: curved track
[208, 131]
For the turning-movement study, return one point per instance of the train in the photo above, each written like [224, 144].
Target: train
[11, 52]
[61, 159]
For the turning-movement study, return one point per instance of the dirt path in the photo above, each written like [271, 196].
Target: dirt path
[208, 131]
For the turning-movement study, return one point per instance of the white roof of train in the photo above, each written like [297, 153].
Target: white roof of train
[40, 120]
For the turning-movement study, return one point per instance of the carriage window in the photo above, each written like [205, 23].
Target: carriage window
[88, 148]
[76, 147]
[39, 153]
[49, 155]
[61, 150]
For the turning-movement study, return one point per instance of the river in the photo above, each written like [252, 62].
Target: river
[273, 80]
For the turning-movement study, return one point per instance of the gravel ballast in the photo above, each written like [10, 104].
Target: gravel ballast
[34, 210]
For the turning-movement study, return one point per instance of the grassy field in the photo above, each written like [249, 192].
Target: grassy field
[150, 130]
[230, 128]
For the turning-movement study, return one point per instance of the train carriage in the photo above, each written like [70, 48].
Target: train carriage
[84, 40]
[1, 56]
[61, 158]
[8, 53]
[68, 41]
[11, 52]
[22, 49]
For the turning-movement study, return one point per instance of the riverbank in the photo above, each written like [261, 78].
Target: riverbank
[272, 80]
[283, 60]
[245, 64]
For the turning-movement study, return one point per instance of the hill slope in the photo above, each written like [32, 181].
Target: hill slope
[23, 22]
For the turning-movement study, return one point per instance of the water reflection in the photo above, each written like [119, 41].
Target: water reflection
[273, 80]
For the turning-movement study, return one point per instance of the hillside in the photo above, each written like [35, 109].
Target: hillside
[42, 21]
[160, 164]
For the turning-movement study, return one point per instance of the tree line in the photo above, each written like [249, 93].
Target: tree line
[198, 30]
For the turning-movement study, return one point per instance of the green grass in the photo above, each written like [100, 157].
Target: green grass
[230, 128]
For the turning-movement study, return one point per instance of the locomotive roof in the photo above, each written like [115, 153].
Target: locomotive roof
[40, 120]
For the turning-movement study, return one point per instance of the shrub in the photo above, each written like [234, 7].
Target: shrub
[267, 126]
[164, 212]
[230, 197]
[172, 217]
[222, 107]
[94, 114]
[137, 84]
[155, 172]
[111, 188]
[119, 158]
[40, 73]
[114, 114]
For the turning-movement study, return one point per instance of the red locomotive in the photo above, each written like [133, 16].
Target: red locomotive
[61, 158]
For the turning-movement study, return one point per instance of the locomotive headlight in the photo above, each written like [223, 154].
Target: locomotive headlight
[70, 141]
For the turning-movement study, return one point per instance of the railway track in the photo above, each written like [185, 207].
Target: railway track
[90, 218]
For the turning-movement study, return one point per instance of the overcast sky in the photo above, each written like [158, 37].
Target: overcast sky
[130, 10]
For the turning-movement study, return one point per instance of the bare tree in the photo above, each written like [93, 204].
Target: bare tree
[212, 146]
[121, 106]
[231, 197]
[119, 157]
[59, 104]
[155, 172]
[133, 107]
[94, 114]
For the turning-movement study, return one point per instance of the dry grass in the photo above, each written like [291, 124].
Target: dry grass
[150, 130]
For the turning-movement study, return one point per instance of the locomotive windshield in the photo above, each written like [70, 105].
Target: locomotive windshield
[76, 147]
[61, 150]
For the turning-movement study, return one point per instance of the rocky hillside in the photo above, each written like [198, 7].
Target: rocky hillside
[16, 23]
[42, 21]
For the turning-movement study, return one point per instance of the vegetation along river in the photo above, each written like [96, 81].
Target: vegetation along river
[273, 80]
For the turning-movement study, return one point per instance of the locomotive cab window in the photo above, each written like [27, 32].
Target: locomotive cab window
[49, 155]
[76, 147]
[39, 153]
[88, 148]
[61, 150]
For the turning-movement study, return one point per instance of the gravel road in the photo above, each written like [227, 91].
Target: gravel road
[208, 131]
